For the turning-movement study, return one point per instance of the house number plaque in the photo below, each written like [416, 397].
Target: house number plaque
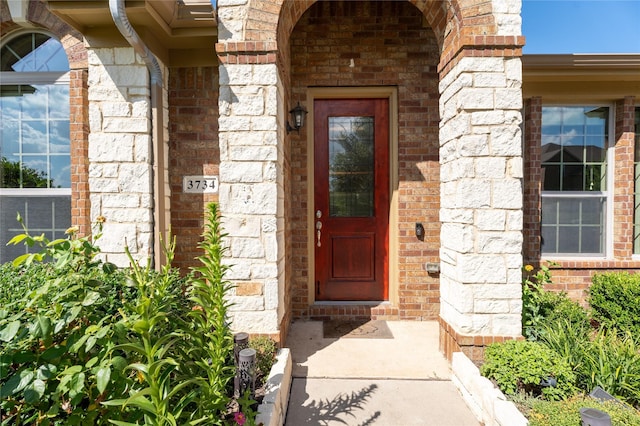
[200, 184]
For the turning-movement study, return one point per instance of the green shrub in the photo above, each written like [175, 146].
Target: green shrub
[522, 366]
[265, 355]
[83, 343]
[541, 308]
[615, 301]
[558, 306]
[57, 328]
[567, 412]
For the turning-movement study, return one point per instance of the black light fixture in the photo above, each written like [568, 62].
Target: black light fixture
[297, 116]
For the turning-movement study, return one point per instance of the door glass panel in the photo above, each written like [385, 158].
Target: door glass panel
[351, 161]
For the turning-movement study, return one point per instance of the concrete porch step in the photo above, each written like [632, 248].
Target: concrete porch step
[400, 381]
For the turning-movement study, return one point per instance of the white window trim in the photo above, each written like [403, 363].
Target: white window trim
[609, 218]
[10, 78]
[34, 192]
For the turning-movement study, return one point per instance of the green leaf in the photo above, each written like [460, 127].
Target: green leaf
[10, 331]
[109, 267]
[78, 344]
[93, 361]
[53, 352]
[59, 326]
[102, 378]
[5, 363]
[74, 369]
[119, 423]
[91, 298]
[58, 241]
[45, 325]
[17, 239]
[141, 326]
[91, 341]
[21, 259]
[103, 331]
[34, 391]
[45, 372]
[76, 385]
[73, 314]
[17, 382]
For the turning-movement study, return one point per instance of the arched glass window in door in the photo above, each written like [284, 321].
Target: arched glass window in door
[35, 173]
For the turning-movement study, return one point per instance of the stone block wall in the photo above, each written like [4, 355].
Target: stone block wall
[481, 175]
[252, 197]
[120, 169]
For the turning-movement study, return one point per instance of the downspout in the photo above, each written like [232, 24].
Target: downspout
[159, 226]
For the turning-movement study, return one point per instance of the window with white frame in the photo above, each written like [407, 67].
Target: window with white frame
[574, 173]
[636, 164]
[35, 173]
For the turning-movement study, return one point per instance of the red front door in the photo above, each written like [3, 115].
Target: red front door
[351, 144]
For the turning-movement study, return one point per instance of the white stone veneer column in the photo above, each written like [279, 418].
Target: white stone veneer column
[481, 196]
[251, 191]
[120, 171]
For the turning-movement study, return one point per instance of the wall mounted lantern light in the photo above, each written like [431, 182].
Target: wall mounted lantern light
[297, 116]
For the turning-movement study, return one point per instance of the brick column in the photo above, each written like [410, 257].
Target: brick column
[120, 175]
[481, 200]
[623, 202]
[252, 182]
[79, 135]
[533, 179]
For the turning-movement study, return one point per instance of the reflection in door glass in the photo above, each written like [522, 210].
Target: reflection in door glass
[351, 178]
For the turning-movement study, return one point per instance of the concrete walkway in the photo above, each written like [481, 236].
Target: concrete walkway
[398, 381]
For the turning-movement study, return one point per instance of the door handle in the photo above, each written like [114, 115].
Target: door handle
[318, 232]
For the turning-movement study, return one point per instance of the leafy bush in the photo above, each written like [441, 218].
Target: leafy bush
[265, 355]
[56, 325]
[541, 308]
[567, 413]
[525, 366]
[615, 301]
[84, 343]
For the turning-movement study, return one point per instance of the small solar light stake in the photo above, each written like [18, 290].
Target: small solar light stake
[247, 371]
[241, 342]
[593, 417]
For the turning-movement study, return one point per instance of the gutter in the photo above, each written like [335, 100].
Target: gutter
[158, 194]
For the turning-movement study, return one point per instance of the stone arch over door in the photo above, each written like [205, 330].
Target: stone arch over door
[479, 149]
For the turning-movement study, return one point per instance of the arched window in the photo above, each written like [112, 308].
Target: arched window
[35, 173]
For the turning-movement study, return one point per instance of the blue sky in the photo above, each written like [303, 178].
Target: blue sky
[581, 26]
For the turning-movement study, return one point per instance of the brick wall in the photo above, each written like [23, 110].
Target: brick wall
[389, 46]
[193, 150]
[574, 276]
[79, 133]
